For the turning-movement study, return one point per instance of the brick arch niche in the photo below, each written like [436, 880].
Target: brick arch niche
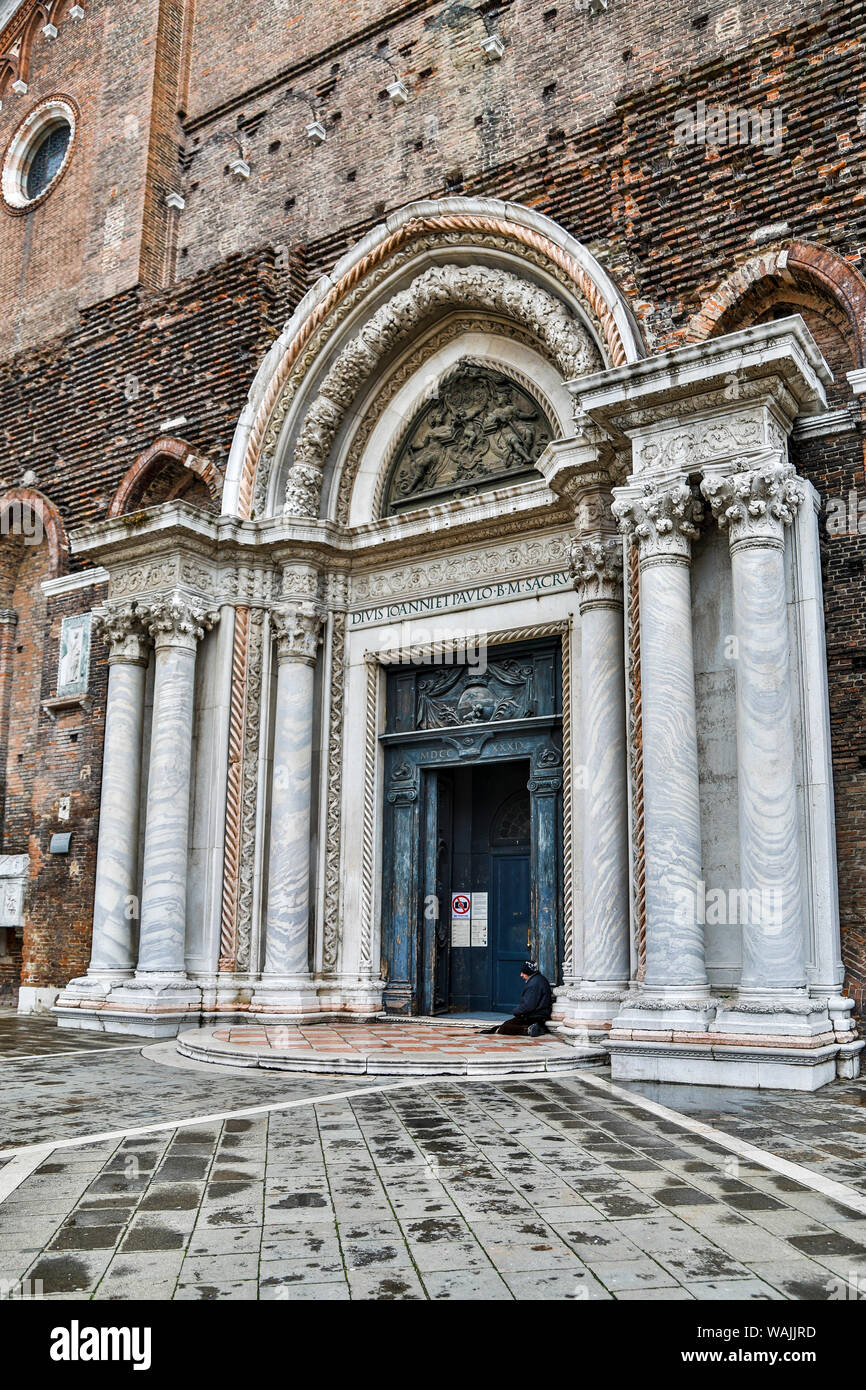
[167, 471]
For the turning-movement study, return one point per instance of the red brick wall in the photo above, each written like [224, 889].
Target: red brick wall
[84, 242]
[67, 761]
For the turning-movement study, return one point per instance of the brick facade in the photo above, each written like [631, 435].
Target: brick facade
[125, 316]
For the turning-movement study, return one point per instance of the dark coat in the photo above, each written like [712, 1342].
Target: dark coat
[536, 1001]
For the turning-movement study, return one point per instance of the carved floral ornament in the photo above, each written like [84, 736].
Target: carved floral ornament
[755, 503]
[172, 620]
[298, 630]
[597, 567]
[663, 521]
[563, 338]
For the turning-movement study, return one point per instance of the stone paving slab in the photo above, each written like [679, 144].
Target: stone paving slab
[541, 1188]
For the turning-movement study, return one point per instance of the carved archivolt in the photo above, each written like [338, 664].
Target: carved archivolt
[564, 339]
[456, 327]
[454, 228]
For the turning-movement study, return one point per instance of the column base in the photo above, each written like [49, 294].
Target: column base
[293, 997]
[657, 1009]
[772, 1066]
[588, 1009]
[96, 985]
[150, 1005]
[775, 1013]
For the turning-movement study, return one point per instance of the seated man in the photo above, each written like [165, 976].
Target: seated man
[535, 1007]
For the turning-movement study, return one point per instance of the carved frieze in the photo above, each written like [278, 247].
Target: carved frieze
[528, 556]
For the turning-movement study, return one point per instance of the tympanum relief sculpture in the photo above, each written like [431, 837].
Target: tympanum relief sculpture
[482, 428]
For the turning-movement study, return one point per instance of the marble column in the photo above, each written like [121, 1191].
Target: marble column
[662, 522]
[115, 907]
[286, 984]
[755, 505]
[597, 567]
[177, 625]
[116, 904]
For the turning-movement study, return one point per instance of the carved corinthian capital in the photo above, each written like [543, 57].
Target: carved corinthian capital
[298, 630]
[755, 504]
[175, 621]
[662, 522]
[122, 629]
[597, 569]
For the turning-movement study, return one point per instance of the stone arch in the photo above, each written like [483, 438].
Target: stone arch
[451, 226]
[799, 274]
[23, 513]
[175, 459]
[564, 341]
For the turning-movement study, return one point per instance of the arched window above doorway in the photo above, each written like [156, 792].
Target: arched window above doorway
[512, 823]
[480, 430]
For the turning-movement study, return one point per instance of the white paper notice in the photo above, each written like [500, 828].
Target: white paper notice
[478, 933]
[461, 908]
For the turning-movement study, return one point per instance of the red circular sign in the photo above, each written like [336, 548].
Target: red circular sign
[460, 905]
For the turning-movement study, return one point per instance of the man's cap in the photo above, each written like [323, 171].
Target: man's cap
[529, 967]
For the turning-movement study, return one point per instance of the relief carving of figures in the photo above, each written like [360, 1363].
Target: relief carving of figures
[663, 521]
[465, 695]
[482, 427]
[755, 503]
[565, 339]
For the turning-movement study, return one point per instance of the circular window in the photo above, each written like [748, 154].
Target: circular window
[38, 154]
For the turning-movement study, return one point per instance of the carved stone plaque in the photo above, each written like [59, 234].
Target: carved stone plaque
[481, 429]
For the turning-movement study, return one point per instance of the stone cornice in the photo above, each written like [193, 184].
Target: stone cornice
[777, 361]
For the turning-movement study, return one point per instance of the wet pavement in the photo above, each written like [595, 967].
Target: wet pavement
[537, 1188]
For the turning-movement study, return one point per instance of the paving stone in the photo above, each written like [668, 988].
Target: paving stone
[279, 1291]
[476, 1284]
[220, 1269]
[734, 1289]
[579, 1286]
[673, 1293]
[391, 1287]
[233, 1291]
